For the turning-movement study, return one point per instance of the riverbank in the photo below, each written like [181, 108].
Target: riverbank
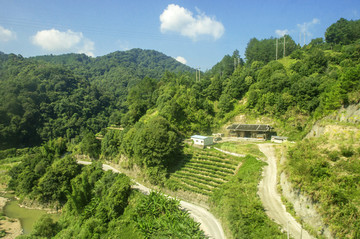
[9, 227]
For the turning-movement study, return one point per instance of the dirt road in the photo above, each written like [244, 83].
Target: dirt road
[271, 200]
[208, 223]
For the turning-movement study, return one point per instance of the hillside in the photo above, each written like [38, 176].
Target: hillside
[325, 168]
[56, 105]
[55, 96]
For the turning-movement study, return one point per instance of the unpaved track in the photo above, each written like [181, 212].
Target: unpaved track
[271, 200]
[208, 223]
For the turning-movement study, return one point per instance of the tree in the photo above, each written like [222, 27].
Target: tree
[55, 184]
[45, 227]
[156, 146]
[343, 32]
[90, 145]
[265, 50]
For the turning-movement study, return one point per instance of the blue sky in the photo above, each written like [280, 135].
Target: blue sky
[197, 32]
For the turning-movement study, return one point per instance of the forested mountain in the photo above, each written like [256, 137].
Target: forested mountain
[50, 96]
[65, 100]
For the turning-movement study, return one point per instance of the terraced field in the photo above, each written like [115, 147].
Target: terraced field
[203, 170]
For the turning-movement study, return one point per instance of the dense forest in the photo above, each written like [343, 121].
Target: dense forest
[143, 104]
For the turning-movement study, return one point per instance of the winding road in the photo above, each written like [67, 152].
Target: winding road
[271, 200]
[208, 223]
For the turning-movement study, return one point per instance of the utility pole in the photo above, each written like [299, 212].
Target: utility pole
[277, 43]
[288, 231]
[284, 45]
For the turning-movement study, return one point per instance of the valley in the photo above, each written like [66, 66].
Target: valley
[134, 111]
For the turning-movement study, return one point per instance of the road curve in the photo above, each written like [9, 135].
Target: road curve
[271, 200]
[208, 223]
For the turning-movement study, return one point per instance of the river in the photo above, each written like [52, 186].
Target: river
[27, 217]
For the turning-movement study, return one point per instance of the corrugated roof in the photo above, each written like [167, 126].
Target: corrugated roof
[199, 137]
[249, 127]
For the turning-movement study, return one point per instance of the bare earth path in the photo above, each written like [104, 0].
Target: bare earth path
[208, 223]
[271, 200]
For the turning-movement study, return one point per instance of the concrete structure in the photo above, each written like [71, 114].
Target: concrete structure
[202, 141]
[278, 139]
[256, 131]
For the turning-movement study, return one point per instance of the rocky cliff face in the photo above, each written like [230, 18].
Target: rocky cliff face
[350, 115]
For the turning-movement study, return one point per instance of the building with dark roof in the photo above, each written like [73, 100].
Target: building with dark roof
[258, 131]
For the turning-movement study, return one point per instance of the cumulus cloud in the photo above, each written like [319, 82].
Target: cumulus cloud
[6, 35]
[181, 59]
[56, 41]
[178, 19]
[306, 26]
[282, 33]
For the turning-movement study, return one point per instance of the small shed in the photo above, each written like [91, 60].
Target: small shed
[256, 131]
[202, 141]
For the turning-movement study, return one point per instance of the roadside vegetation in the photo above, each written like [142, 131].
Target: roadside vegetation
[327, 170]
[59, 106]
[94, 203]
[239, 207]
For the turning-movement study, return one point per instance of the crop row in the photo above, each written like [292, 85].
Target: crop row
[209, 173]
[224, 161]
[188, 187]
[201, 182]
[206, 179]
[201, 164]
[206, 168]
[219, 165]
[193, 183]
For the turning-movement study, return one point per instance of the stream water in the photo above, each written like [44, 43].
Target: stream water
[26, 216]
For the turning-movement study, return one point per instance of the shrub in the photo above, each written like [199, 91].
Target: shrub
[347, 151]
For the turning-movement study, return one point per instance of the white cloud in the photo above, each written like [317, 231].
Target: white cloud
[123, 45]
[181, 59]
[281, 33]
[178, 19]
[6, 35]
[61, 42]
[306, 26]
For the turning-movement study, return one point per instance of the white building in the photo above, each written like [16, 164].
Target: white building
[278, 139]
[202, 141]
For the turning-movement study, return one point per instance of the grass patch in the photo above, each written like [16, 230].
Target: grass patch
[327, 169]
[239, 207]
[241, 148]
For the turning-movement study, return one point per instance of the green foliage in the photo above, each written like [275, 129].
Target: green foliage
[54, 185]
[157, 216]
[343, 32]
[155, 147]
[25, 176]
[239, 206]
[265, 50]
[89, 145]
[330, 178]
[45, 227]
[202, 171]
